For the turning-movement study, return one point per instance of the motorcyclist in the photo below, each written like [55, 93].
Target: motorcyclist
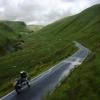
[23, 80]
[23, 76]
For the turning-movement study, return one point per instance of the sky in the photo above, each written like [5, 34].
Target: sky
[41, 11]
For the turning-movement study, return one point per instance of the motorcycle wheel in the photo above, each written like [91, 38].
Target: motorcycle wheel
[28, 84]
[17, 91]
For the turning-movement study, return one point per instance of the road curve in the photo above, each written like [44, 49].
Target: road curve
[47, 81]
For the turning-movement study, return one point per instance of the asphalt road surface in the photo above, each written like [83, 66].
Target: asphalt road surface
[49, 80]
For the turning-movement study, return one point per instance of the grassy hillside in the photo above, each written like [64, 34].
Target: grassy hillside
[16, 26]
[52, 44]
[10, 33]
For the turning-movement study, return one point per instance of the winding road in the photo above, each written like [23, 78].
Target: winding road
[50, 79]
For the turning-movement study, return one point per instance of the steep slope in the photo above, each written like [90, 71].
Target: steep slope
[52, 44]
[16, 26]
[83, 25]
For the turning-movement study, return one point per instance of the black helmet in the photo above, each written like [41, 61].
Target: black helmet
[23, 72]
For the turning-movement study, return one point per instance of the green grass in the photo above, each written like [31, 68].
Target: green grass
[50, 45]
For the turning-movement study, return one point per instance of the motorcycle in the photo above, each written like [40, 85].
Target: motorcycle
[20, 84]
